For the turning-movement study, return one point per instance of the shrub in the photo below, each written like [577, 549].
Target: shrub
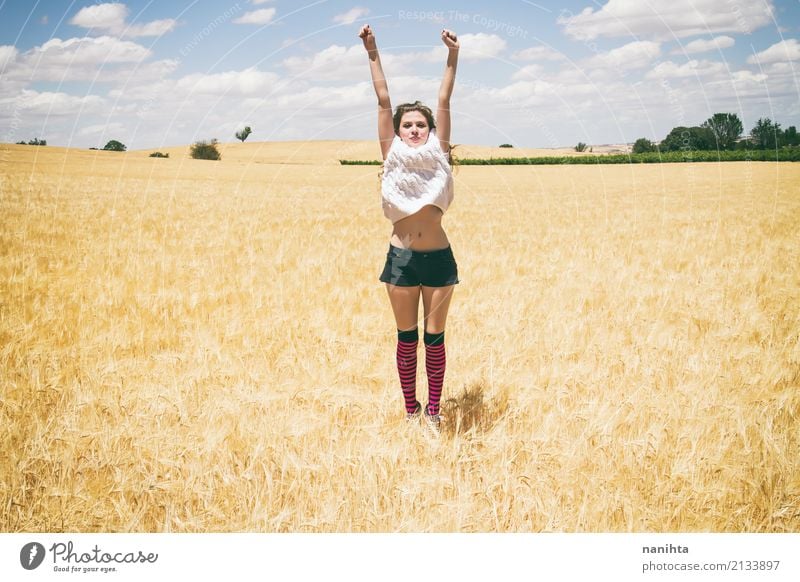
[159, 155]
[581, 147]
[506, 145]
[203, 150]
[34, 141]
[643, 146]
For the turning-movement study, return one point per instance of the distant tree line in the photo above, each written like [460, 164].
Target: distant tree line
[721, 132]
[789, 154]
[34, 141]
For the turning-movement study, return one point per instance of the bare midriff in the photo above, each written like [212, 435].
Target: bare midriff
[422, 231]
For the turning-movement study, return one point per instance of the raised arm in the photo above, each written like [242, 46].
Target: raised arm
[385, 124]
[450, 40]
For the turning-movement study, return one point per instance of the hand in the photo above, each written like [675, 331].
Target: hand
[450, 39]
[369, 39]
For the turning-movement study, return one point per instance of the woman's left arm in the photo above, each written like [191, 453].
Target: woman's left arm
[450, 40]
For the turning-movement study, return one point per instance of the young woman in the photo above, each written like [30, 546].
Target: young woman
[417, 189]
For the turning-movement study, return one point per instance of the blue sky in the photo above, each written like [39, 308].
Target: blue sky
[535, 74]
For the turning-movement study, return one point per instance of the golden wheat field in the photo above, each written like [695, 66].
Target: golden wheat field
[197, 346]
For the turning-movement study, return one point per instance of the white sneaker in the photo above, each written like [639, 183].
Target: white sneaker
[433, 422]
[412, 416]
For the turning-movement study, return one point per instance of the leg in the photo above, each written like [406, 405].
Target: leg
[405, 305]
[436, 304]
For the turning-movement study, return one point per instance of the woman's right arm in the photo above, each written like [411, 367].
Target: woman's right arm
[385, 123]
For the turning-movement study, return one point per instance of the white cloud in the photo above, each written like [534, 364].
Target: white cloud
[328, 99]
[693, 68]
[333, 62]
[748, 77]
[154, 28]
[785, 68]
[102, 16]
[262, 16]
[528, 92]
[101, 128]
[111, 19]
[528, 72]
[351, 15]
[666, 20]
[140, 73]
[634, 55]
[744, 84]
[702, 45]
[47, 103]
[237, 85]
[99, 59]
[538, 53]
[8, 54]
[259, 2]
[784, 51]
[248, 83]
[89, 50]
[477, 46]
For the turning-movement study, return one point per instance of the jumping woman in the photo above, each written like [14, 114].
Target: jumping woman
[416, 190]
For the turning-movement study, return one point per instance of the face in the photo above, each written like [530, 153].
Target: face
[414, 129]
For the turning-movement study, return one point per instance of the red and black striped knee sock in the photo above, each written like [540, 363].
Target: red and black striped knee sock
[407, 366]
[435, 364]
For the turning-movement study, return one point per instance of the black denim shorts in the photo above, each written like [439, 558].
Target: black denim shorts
[408, 268]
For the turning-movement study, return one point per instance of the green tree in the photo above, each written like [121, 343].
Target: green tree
[203, 150]
[115, 146]
[688, 138]
[790, 137]
[581, 147]
[726, 127]
[242, 135]
[643, 146]
[765, 134]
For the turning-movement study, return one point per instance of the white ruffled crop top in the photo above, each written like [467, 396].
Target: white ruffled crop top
[415, 177]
